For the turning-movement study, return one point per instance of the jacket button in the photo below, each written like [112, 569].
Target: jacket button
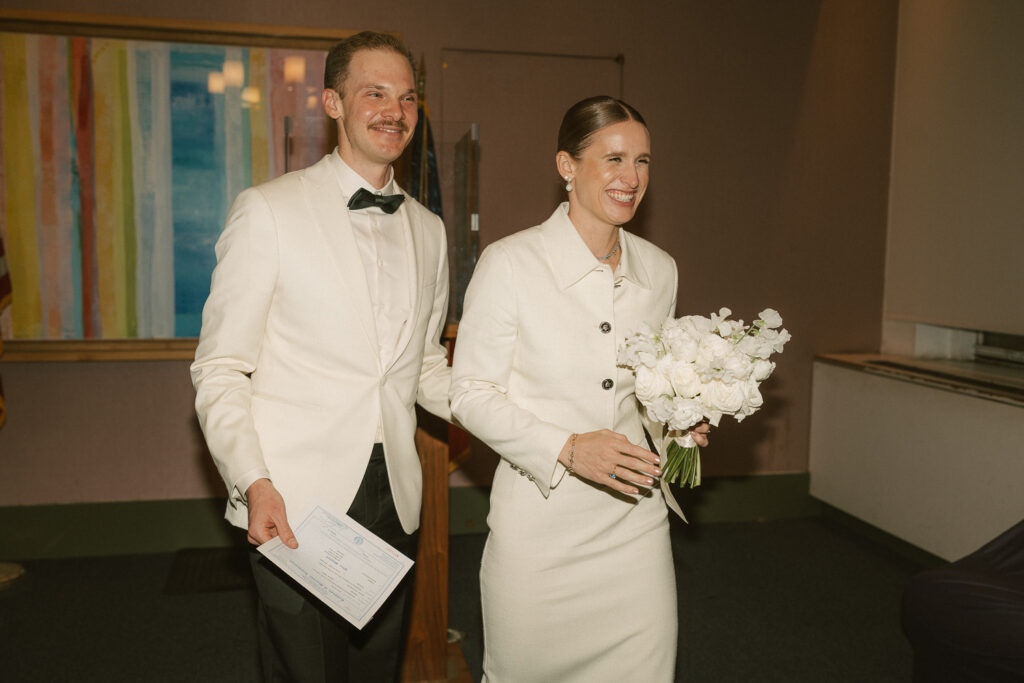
[606, 327]
[607, 384]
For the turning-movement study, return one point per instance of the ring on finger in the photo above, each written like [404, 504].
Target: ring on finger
[612, 473]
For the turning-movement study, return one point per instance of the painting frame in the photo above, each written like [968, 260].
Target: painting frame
[187, 32]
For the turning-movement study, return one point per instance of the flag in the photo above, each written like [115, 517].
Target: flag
[424, 182]
[5, 299]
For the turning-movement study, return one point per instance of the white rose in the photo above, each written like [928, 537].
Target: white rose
[684, 380]
[651, 383]
[711, 350]
[727, 398]
[753, 402]
[737, 366]
[752, 397]
[686, 412]
[660, 409]
[683, 348]
[679, 341]
[712, 416]
[770, 317]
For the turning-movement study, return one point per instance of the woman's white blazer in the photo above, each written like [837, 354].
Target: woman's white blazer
[536, 356]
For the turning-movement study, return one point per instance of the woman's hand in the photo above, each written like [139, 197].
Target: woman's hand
[609, 459]
[700, 434]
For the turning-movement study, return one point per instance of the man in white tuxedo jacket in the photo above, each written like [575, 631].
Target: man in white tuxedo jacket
[321, 333]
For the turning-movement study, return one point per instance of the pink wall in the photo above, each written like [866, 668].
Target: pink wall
[110, 431]
[771, 130]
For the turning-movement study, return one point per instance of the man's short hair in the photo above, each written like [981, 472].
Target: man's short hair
[339, 57]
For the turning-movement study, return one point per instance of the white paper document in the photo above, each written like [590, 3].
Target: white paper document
[341, 562]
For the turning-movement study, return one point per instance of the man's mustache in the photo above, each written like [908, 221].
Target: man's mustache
[401, 125]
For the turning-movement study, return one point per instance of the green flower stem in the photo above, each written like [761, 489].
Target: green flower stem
[682, 465]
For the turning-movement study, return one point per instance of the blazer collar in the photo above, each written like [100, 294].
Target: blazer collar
[571, 259]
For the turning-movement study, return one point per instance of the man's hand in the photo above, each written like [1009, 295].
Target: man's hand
[267, 517]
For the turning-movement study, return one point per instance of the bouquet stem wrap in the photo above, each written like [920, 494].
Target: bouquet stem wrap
[682, 462]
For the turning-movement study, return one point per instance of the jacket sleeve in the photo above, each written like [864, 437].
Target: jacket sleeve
[435, 375]
[484, 355]
[234, 319]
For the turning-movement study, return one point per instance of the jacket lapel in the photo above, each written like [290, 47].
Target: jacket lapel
[414, 254]
[331, 215]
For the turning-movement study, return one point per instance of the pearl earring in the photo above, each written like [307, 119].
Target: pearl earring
[568, 184]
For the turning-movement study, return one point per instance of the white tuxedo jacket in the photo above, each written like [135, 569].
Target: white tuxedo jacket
[287, 372]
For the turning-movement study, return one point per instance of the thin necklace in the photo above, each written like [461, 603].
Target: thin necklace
[611, 253]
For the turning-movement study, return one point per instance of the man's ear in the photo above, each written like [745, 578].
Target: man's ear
[332, 103]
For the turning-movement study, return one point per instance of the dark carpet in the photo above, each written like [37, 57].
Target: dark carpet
[795, 600]
[207, 570]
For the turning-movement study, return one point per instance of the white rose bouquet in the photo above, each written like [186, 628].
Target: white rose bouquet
[696, 368]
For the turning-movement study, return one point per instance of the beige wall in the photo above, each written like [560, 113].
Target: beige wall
[770, 125]
[956, 239]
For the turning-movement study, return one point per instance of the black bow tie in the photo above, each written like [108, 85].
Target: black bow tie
[363, 198]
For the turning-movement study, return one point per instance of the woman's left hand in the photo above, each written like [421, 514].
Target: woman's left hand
[700, 434]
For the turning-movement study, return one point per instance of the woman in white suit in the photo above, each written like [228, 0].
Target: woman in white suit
[577, 577]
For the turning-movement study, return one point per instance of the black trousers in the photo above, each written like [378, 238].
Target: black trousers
[303, 640]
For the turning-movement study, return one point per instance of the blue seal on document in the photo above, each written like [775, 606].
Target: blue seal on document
[358, 540]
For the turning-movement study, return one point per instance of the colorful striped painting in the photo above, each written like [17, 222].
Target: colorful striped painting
[119, 161]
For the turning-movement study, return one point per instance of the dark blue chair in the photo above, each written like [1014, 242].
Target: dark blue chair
[965, 620]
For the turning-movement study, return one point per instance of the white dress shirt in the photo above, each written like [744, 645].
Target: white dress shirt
[382, 248]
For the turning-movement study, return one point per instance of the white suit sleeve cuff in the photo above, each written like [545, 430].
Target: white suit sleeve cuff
[245, 481]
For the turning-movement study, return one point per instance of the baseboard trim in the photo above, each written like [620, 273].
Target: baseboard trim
[755, 498]
[141, 527]
[124, 528]
[717, 499]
